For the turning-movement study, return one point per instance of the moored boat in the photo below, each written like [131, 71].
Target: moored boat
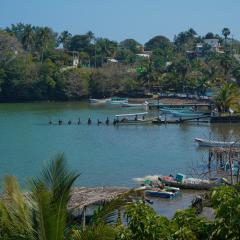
[98, 101]
[170, 109]
[161, 193]
[135, 105]
[132, 119]
[183, 183]
[117, 101]
[185, 114]
[211, 143]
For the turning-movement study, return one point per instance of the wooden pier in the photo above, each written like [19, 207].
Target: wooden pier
[209, 106]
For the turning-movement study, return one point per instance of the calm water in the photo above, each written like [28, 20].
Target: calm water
[105, 155]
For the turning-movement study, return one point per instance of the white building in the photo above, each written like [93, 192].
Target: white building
[214, 43]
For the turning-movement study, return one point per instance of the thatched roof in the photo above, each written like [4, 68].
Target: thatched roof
[83, 197]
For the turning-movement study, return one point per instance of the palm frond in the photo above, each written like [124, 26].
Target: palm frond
[109, 212]
[15, 211]
[51, 192]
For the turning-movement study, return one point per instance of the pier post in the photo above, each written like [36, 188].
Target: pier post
[209, 159]
[84, 218]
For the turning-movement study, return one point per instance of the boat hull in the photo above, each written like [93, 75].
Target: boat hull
[210, 143]
[134, 105]
[160, 194]
[133, 122]
[98, 101]
[185, 114]
[192, 186]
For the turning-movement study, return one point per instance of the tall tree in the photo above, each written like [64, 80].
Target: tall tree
[131, 44]
[157, 42]
[28, 37]
[226, 32]
[64, 38]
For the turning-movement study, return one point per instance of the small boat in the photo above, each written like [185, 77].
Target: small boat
[135, 105]
[117, 101]
[179, 109]
[211, 143]
[193, 186]
[161, 193]
[98, 101]
[185, 114]
[132, 119]
[184, 183]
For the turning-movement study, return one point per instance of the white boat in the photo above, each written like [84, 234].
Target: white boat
[135, 105]
[117, 101]
[132, 119]
[98, 101]
[211, 143]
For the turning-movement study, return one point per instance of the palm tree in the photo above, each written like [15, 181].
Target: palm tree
[28, 37]
[226, 32]
[64, 39]
[42, 213]
[227, 96]
[44, 36]
[15, 212]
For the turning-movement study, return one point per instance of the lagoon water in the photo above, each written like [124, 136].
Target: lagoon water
[104, 155]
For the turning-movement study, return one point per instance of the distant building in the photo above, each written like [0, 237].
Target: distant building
[144, 55]
[214, 44]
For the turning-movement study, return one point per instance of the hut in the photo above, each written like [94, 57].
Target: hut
[83, 198]
[224, 160]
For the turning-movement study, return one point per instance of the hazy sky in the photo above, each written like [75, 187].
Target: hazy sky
[120, 19]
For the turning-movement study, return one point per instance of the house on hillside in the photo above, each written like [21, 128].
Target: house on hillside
[144, 54]
[214, 44]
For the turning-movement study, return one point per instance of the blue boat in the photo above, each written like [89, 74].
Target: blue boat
[171, 109]
[186, 114]
[161, 194]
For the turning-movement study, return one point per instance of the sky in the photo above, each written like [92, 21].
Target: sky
[121, 19]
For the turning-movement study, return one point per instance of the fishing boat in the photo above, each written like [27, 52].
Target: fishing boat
[211, 143]
[161, 193]
[183, 183]
[200, 185]
[135, 105]
[132, 119]
[117, 101]
[98, 101]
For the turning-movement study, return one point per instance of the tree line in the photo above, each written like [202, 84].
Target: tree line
[36, 63]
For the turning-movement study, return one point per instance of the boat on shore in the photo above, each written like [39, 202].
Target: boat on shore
[132, 119]
[182, 182]
[201, 185]
[211, 143]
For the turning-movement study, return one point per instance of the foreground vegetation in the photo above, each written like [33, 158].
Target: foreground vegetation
[42, 214]
[36, 63]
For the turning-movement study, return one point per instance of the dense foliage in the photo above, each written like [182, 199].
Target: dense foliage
[37, 63]
[42, 213]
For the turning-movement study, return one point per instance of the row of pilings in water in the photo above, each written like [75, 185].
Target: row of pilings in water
[79, 122]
